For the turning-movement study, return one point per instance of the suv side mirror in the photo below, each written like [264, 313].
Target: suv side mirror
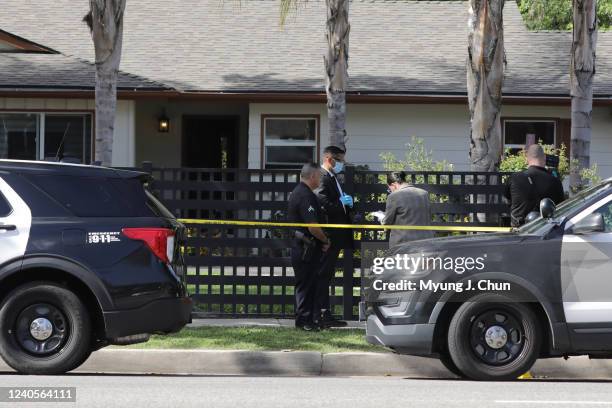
[531, 216]
[547, 208]
[591, 223]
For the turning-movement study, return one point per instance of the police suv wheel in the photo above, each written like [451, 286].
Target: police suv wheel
[449, 364]
[45, 329]
[492, 337]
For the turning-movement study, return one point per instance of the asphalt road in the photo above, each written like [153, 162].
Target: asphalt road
[316, 392]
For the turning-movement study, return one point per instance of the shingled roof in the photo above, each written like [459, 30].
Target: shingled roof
[397, 47]
[40, 71]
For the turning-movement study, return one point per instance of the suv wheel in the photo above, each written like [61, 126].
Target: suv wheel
[44, 329]
[449, 364]
[493, 337]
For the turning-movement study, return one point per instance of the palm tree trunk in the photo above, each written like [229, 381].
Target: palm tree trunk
[582, 71]
[336, 69]
[485, 75]
[105, 21]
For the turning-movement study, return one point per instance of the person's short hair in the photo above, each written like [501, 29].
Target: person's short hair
[333, 150]
[535, 151]
[308, 170]
[396, 177]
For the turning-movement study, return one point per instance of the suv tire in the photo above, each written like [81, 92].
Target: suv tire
[449, 364]
[44, 329]
[493, 337]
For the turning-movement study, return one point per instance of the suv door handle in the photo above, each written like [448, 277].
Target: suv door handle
[6, 227]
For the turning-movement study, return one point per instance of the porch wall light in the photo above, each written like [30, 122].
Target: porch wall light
[164, 124]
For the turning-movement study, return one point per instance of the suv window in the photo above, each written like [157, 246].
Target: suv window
[606, 212]
[5, 207]
[96, 196]
[567, 207]
[157, 207]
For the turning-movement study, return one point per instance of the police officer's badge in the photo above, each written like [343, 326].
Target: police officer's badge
[311, 209]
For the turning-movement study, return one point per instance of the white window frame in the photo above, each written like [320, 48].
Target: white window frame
[40, 129]
[289, 143]
[526, 120]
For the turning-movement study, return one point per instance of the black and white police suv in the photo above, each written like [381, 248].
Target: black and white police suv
[489, 305]
[88, 258]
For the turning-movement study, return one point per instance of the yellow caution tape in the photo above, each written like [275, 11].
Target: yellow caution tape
[347, 226]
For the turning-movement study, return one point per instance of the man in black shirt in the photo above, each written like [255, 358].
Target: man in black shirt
[527, 188]
[308, 245]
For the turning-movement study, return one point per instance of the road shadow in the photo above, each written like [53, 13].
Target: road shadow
[532, 380]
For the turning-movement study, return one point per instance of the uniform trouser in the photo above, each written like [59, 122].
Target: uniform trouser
[326, 274]
[305, 283]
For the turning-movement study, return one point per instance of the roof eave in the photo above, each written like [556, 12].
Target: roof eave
[25, 45]
[288, 96]
[382, 97]
[79, 92]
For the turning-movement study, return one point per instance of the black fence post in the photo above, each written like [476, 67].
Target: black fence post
[347, 262]
[147, 167]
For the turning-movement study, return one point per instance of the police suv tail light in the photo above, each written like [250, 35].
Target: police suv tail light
[159, 240]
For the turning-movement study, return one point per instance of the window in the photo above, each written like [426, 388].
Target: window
[96, 197]
[5, 207]
[289, 142]
[68, 137]
[18, 136]
[46, 136]
[606, 212]
[518, 133]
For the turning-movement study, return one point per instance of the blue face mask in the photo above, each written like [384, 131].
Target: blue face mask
[338, 167]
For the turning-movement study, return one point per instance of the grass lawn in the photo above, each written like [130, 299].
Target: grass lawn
[263, 338]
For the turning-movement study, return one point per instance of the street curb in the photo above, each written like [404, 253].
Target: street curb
[306, 363]
[581, 367]
[382, 364]
[204, 362]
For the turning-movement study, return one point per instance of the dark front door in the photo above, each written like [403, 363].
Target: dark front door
[210, 141]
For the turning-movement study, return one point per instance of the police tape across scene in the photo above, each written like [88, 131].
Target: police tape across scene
[448, 228]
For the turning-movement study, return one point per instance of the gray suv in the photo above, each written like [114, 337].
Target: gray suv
[543, 290]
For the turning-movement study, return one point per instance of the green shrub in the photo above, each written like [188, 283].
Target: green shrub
[416, 158]
[590, 174]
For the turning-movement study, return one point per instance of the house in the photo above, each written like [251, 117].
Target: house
[239, 90]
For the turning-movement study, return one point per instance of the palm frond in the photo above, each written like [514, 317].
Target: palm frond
[286, 7]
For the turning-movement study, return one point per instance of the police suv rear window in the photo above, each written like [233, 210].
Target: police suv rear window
[5, 207]
[96, 196]
[157, 207]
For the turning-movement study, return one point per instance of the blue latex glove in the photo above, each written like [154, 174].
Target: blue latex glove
[347, 200]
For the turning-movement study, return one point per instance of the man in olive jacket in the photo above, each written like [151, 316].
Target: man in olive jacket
[406, 205]
[337, 206]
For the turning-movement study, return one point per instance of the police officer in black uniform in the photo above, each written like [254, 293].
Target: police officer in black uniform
[308, 245]
[527, 188]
